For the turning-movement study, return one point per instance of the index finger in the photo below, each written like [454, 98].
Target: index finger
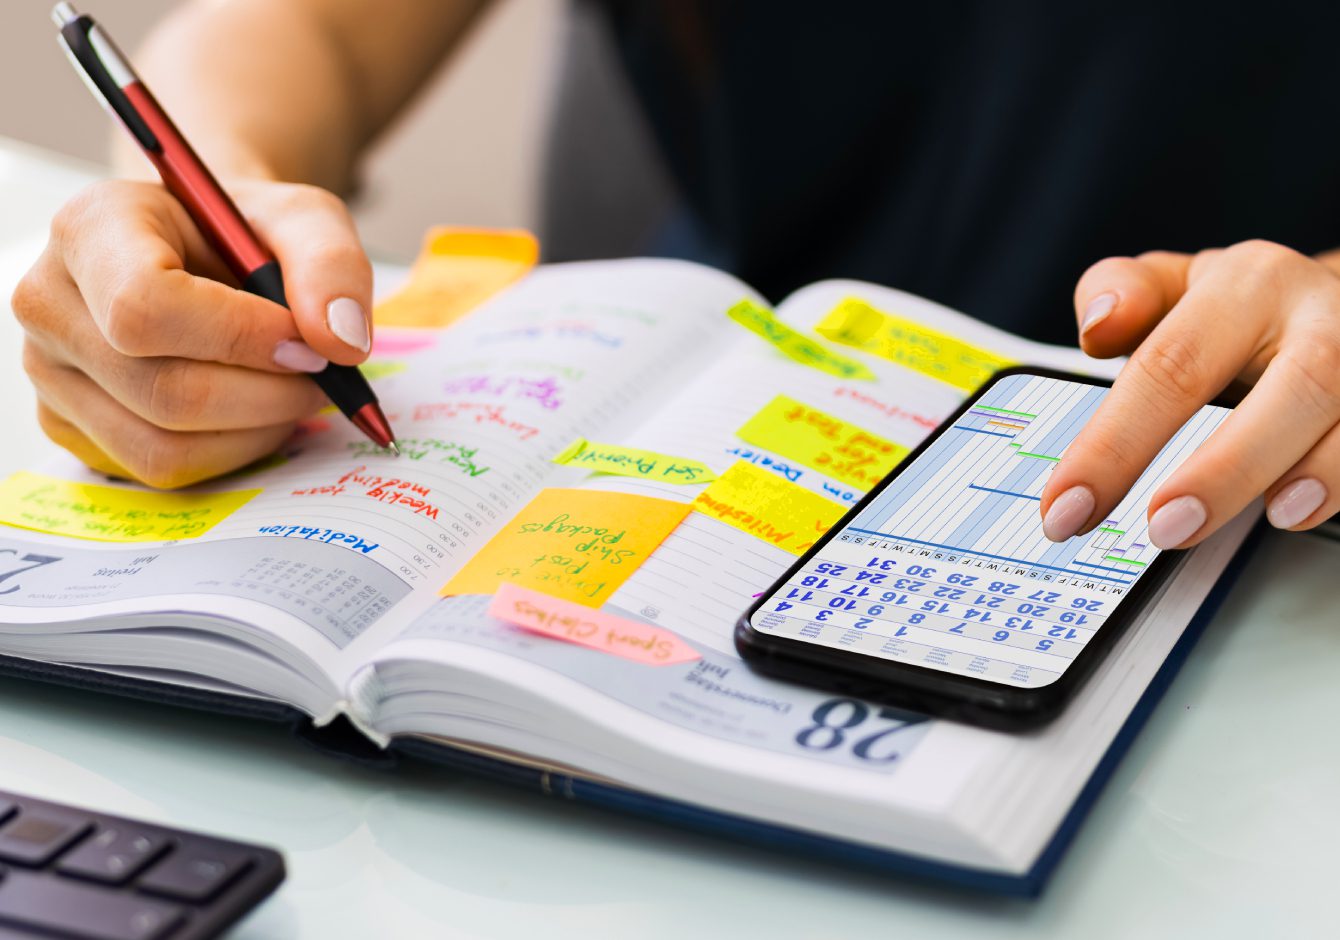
[145, 303]
[1188, 360]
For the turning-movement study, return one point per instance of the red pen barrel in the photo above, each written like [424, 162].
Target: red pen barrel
[189, 180]
[217, 217]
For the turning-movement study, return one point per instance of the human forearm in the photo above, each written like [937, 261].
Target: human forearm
[292, 89]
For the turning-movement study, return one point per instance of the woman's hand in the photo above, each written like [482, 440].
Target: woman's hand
[149, 363]
[1257, 314]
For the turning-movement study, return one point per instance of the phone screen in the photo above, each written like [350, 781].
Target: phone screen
[946, 566]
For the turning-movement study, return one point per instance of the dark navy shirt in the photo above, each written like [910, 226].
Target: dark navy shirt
[983, 154]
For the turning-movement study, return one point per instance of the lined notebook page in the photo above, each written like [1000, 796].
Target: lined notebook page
[705, 574]
[479, 410]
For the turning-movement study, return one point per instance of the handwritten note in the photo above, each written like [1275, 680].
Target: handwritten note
[765, 505]
[795, 345]
[941, 356]
[112, 513]
[547, 392]
[633, 462]
[761, 459]
[479, 412]
[330, 536]
[578, 545]
[822, 442]
[408, 496]
[564, 620]
[456, 271]
[434, 450]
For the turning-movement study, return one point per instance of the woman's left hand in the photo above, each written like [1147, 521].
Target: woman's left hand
[1258, 314]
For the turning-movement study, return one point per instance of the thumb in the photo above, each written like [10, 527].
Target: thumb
[327, 275]
[1119, 301]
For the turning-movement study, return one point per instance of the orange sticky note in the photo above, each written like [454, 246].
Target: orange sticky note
[456, 271]
[564, 620]
[578, 545]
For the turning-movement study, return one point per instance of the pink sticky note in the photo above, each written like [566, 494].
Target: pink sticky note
[575, 623]
[392, 342]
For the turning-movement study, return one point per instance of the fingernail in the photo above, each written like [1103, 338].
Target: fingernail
[1176, 521]
[1296, 502]
[1097, 310]
[1068, 513]
[348, 322]
[299, 357]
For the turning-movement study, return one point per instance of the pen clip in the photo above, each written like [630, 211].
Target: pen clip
[104, 70]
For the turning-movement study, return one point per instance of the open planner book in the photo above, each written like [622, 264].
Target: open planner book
[571, 620]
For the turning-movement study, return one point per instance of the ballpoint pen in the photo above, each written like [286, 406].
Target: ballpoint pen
[112, 80]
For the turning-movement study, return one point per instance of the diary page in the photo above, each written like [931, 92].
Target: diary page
[333, 533]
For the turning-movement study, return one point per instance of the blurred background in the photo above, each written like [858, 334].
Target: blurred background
[478, 141]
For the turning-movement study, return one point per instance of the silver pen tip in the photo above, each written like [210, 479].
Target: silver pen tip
[63, 13]
[394, 448]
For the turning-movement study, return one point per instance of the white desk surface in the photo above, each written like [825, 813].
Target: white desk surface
[1223, 821]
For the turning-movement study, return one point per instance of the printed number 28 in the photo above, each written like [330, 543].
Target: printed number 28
[835, 718]
[37, 561]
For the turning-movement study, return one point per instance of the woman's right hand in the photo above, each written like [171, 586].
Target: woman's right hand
[149, 362]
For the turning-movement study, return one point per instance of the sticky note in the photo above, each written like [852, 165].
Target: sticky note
[765, 505]
[375, 369]
[112, 513]
[456, 271]
[634, 462]
[402, 342]
[578, 545]
[594, 629]
[822, 442]
[795, 345]
[855, 323]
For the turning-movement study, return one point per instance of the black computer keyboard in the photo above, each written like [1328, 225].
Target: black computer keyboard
[67, 872]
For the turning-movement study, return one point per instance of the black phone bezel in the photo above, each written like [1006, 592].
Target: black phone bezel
[919, 688]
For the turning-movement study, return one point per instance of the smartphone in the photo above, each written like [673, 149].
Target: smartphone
[939, 593]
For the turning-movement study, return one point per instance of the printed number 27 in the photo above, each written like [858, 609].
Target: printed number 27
[837, 716]
[37, 561]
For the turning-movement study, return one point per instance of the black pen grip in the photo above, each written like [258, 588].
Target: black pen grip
[345, 386]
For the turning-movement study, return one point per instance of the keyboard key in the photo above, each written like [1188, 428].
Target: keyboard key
[35, 837]
[68, 908]
[195, 871]
[75, 874]
[114, 855]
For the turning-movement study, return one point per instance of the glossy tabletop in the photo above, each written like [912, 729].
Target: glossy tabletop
[1222, 821]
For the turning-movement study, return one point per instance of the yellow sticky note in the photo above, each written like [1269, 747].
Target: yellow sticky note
[822, 442]
[930, 352]
[112, 513]
[795, 345]
[375, 369]
[456, 271]
[579, 545]
[765, 505]
[634, 462]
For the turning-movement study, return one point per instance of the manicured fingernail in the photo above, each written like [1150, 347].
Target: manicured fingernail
[1097, 310]
[299, 357]
[349, 323]
[1176, 521]
[1068, 513]
[1296, 502]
